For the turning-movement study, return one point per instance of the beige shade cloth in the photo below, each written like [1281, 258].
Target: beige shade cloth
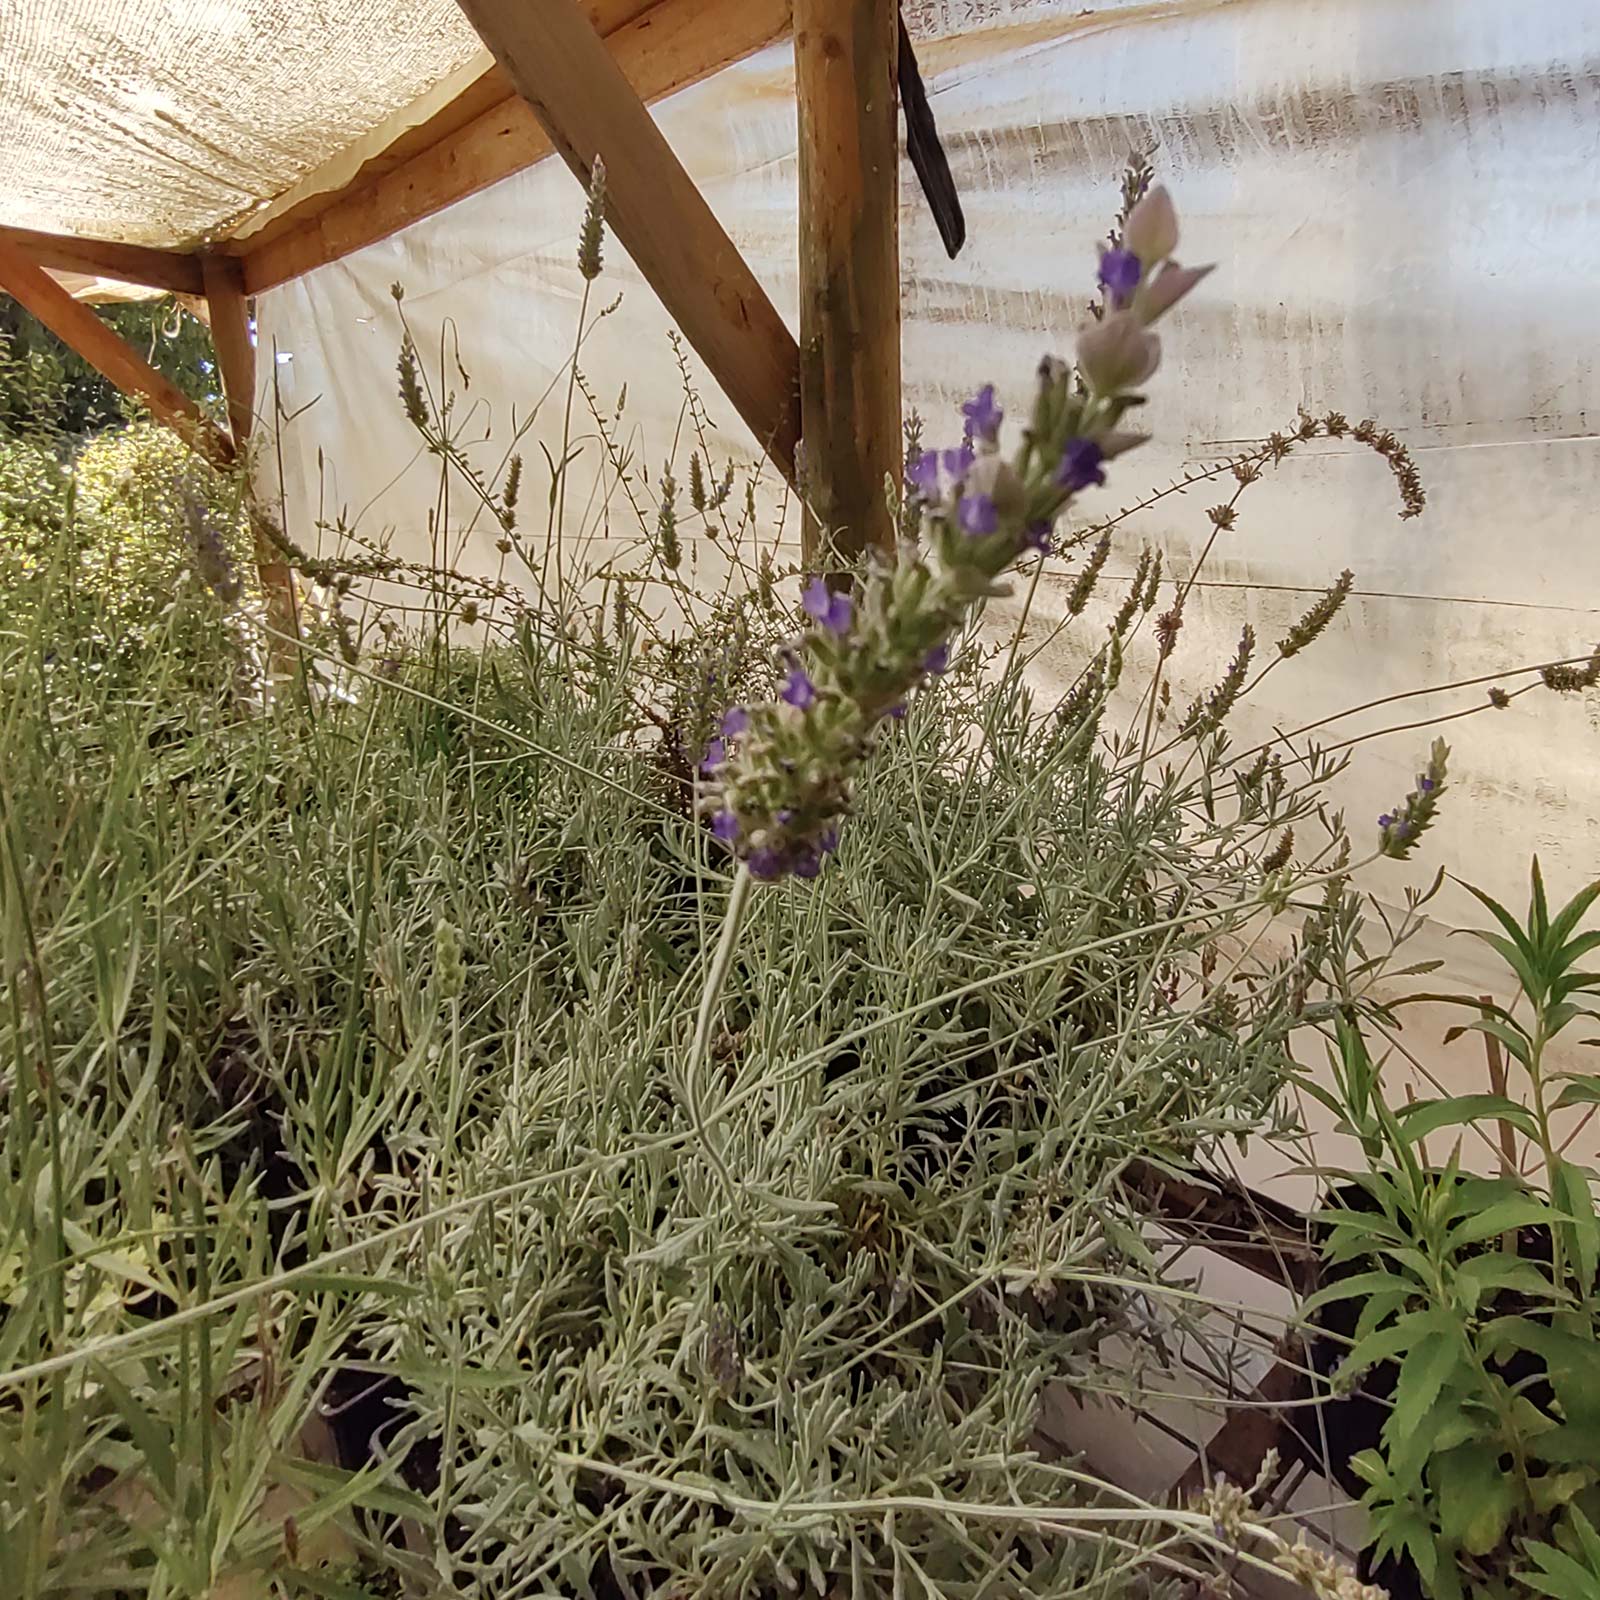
[163, 122]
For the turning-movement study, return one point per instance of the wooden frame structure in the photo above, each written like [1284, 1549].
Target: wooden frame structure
[575, 78]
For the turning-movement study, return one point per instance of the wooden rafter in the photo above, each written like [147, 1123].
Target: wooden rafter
[171, 270]
[489, 132]
[846, 54]
[587, 106]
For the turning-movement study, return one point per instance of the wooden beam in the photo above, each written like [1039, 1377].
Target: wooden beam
[489, 132]
[102, 258]
[585, 103]
[846, 55]
[107, 352]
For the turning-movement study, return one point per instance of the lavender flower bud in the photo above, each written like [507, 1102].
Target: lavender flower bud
[1151, 231]
[1207, 714]
[1161, 293]
[1117, 353]
[1399, 830]
[592, 232]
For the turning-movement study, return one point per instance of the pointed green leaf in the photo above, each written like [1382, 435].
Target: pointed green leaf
[1513, 928]
[1569, 1188]
[1519, 960]
[1475, 1498]
[1428, 1365]
[1362, 1284]
[1571, 914]
[1502, 1217]
[1394, 1340]
[1423, 1117]
[1579, 1092]
[1512, 1037]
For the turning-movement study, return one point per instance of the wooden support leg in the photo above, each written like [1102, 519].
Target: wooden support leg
[228, 310]
[846, 54]
[582, 98]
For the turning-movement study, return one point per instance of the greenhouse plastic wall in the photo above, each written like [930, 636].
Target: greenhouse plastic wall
[1399, 197]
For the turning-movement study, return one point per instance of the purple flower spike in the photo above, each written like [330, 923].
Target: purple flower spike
[1036, 536]
[734, 721]
[1425, 784]
[958, 463]
[983, 415]
[1120, 272]
[828, 841]
[978, 515]
[897, 712]
[827, 609]
[716, 754]
[922, 473]
[1081, 465]
[1386, 821]
[799, 691]
[726, 826]
[936, 660]
[807, 863]
[785, 816]
[766, 863]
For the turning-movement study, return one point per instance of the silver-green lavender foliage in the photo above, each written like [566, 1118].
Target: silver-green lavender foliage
[783, 773]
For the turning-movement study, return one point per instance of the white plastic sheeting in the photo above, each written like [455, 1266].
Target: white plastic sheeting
[1399, 194]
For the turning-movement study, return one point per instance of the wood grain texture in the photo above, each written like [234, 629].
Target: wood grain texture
[489, 132]
[107, 352]
[846, 54]
[585, 103]
[103, 258]
[228, 312]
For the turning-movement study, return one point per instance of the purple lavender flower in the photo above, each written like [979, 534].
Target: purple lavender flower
[807, 863]
[958, 463]
[983, 415]
[1081, 465]
[1426, 784]
[766, 863]
[826, 608]
[936, 660]
[922, 473]
[716, 754]
[799, 691]
[734, 722]
[1120, 271]
[896, 712]
[1036, 536]
[1386, 820]
[726, 826]
[828, 840]
[978, 515]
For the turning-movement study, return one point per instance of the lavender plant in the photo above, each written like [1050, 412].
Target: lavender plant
[781, 773]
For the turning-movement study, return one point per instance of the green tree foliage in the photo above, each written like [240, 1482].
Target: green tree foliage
[49, 391]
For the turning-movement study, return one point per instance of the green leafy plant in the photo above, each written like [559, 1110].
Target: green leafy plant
[1479, 1291]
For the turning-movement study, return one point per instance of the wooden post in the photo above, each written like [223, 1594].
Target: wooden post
[229, 316]
[846, 54]
[228, 312]
[583, 99]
